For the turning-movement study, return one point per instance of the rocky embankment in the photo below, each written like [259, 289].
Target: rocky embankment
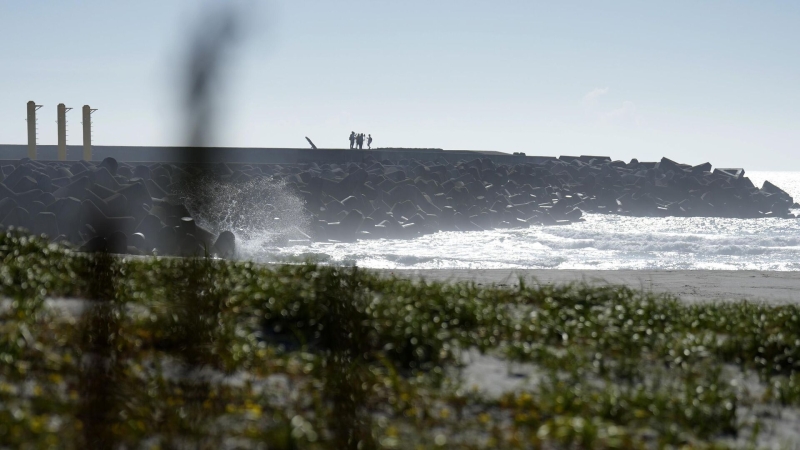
[134, 208]
[404, 199]
[118, 207]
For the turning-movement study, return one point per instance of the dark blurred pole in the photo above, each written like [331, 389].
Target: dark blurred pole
[213, 37]
[208, 52]
[100, 392]
[194, 302]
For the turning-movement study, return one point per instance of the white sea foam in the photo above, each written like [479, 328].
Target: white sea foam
[601, 242]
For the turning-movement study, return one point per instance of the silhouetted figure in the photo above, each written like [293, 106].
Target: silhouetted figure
[360, 141]
[369, 142]
[352, 139]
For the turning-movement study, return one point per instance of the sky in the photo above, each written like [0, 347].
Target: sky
[694, 81]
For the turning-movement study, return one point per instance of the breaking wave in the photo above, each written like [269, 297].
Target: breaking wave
[262, 213]
[600, 242]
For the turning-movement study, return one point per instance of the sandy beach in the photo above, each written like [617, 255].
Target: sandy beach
[689, 285]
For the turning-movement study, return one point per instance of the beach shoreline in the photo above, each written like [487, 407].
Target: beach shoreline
[774, 287]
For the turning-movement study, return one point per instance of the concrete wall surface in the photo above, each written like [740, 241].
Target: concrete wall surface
[263, 155]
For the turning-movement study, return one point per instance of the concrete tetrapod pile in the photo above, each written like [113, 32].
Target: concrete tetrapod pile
[407, 198]
[108, 206]
[138, 206]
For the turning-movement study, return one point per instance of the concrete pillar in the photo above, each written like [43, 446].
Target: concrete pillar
[62, 131]
[87, 132]
[32, 129]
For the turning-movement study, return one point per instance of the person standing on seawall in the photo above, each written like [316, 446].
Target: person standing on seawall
[352, 139]
[360, 141]
[369, 142]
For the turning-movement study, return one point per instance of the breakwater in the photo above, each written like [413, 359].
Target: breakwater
[245, 155]
[141, 207]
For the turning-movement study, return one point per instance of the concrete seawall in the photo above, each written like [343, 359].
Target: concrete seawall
[265, 155]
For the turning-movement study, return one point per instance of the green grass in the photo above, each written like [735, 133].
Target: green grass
[176, 353]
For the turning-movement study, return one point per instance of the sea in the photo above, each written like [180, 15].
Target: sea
[601, 242]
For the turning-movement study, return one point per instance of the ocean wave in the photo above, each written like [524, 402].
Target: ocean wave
[601, 242]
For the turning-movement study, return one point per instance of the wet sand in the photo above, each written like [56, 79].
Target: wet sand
[689, 285]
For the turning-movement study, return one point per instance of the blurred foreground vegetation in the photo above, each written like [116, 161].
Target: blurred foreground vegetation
[104, 352]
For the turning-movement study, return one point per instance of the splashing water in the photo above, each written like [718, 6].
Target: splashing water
[262, 213]
[606, 242]
[601, 242]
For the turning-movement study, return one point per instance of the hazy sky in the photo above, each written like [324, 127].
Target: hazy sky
[696, 81]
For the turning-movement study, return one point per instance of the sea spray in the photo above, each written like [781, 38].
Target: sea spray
[603, 241]
[262, 213]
